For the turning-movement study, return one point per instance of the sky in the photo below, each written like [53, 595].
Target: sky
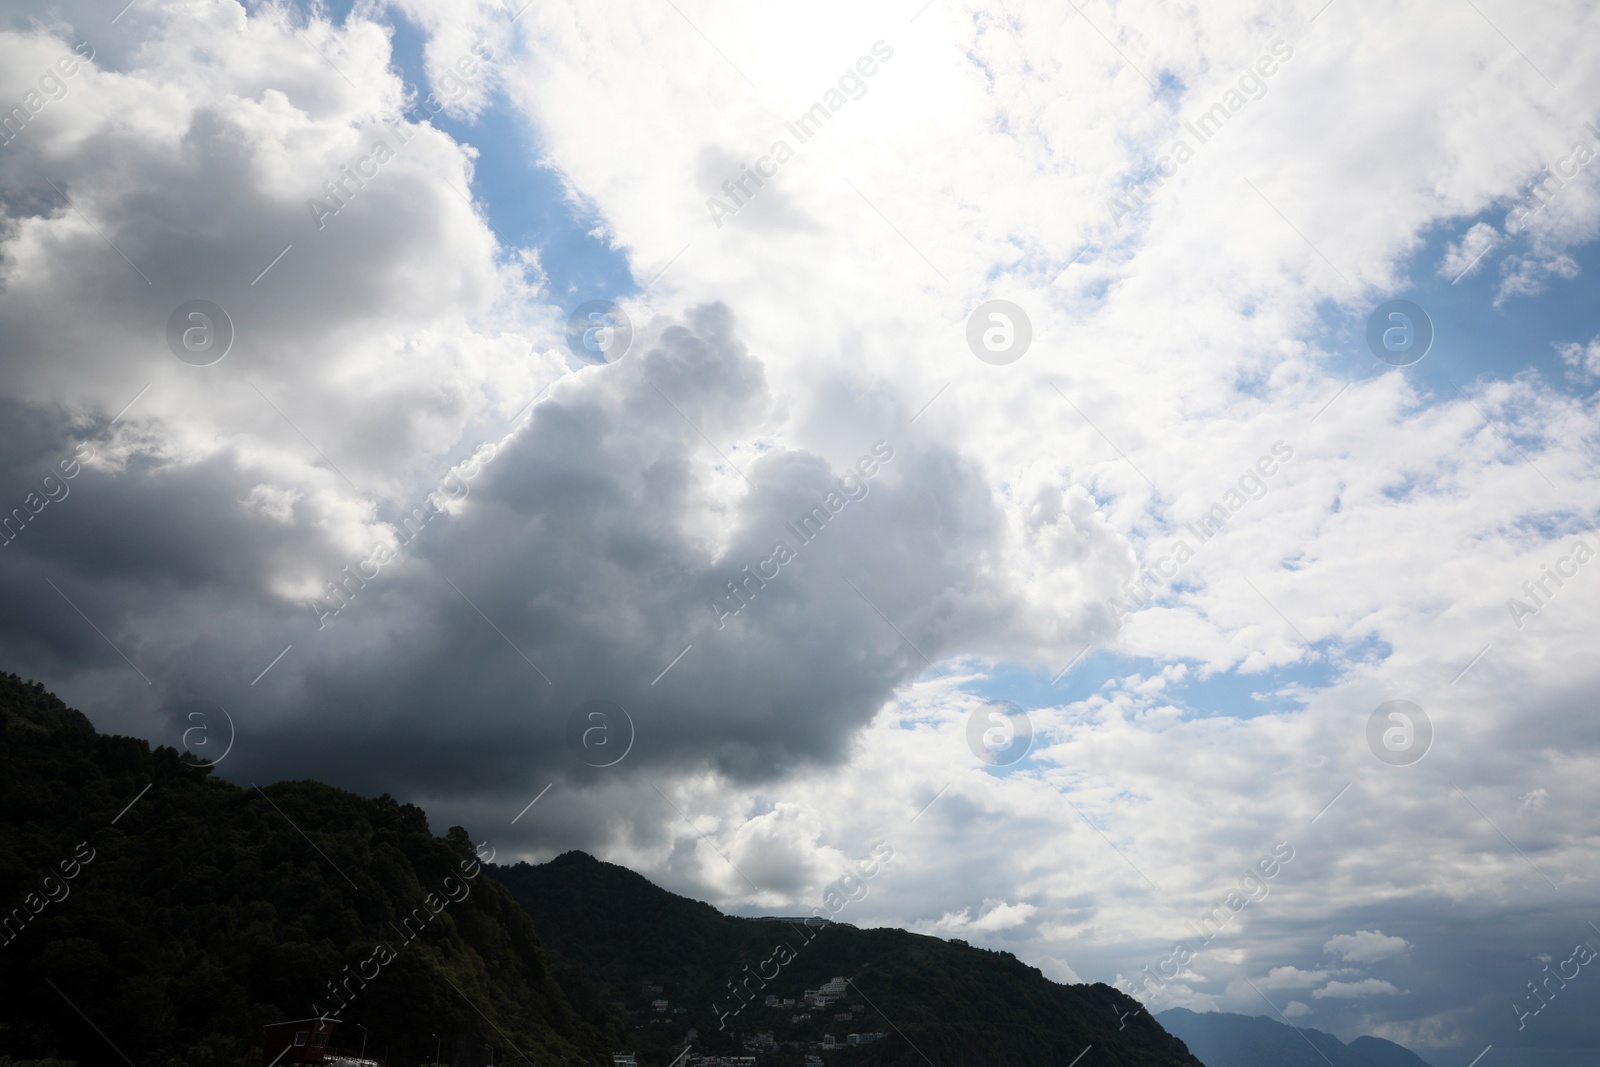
[1135, 461]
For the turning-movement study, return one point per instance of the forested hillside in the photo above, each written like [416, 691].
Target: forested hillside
[935, 1001]
[156, 914]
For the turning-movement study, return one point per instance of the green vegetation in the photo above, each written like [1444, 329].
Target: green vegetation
[183, 926]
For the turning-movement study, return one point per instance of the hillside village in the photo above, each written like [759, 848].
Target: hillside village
[803, 1024]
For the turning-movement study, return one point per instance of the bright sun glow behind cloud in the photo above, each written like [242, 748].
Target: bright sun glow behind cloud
[1199, 375]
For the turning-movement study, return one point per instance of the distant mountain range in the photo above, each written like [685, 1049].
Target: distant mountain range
[1220, 1039]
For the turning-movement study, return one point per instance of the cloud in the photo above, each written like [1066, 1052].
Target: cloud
[1529, 275]
[1292, 978]
[1464, 256]
[1366, 946]
[771, 748]
[1367, 987]
[1003, 916]
[1295, 1009]
[1583, 359]
[994, 916]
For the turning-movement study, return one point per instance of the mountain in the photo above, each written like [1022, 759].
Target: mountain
[1224, 1040]
[154, 914]
[937, 1002]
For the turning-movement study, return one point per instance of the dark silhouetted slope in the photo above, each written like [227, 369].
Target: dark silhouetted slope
[955, 1005]
[181, 913]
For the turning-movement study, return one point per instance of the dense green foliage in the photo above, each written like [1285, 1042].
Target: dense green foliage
[181, 927]
[1227, 1040]
[939, 1002]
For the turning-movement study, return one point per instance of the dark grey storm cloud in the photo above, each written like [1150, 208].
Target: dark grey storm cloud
[594, 547]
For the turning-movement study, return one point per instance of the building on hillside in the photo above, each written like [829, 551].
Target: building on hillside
[299, 1041]
[659, 1005]
[827, 1041]
[624, 1059]
[863, 1039]
[813, 1060]
[834, 988]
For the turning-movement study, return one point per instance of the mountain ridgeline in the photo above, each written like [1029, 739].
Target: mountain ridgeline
[1222, 1039]
[154, 914]
[151, 911]
[934, 1001]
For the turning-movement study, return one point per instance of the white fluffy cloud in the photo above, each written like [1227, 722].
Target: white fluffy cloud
[1584, 359]
[1366, 946]
[1367, 987]
[993, 917]
[1171, 353]
[1292, 978]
